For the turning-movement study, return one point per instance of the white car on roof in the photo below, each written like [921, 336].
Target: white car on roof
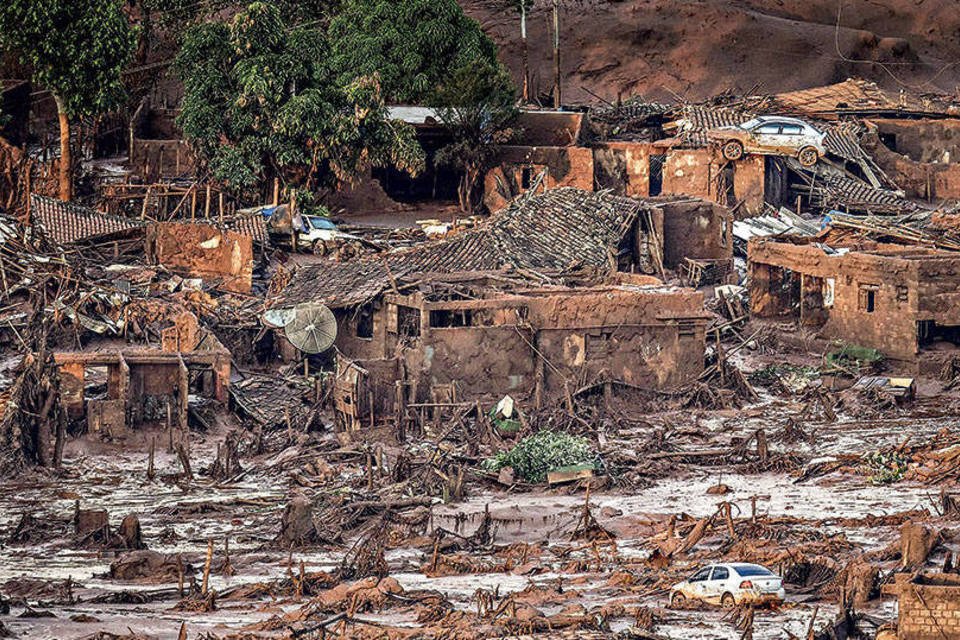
[771, 135]
[729, 585]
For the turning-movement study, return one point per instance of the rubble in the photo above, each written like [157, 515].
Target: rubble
[530, 424]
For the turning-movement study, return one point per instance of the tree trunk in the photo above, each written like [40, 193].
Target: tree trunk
[66, 158]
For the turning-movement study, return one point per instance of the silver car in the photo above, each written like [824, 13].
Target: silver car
[729, 585]
[771, 135]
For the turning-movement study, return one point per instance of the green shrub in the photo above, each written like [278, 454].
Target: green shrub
[884, 468]
[544, 451]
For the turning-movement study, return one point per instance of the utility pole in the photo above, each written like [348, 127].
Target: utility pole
[557, 97]
[526, 53]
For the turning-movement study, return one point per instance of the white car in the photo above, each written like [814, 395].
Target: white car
[729, 585]
[321, 233]
[772, 136]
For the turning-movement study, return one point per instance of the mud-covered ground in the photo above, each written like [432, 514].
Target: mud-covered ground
[816, 511]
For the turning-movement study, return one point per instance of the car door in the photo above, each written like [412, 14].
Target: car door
[766, 137]
[715, 587]
[791, 137]
[698, 581]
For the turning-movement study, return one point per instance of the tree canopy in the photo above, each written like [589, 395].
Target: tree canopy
[477, 103]
[413, 44]
[260, 102]
[77, 50]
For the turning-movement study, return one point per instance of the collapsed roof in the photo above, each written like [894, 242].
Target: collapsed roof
[69, 222]
[561, 230]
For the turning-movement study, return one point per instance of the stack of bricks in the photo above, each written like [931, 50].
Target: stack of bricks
[929, 607]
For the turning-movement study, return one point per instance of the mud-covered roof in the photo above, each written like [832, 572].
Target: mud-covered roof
[562, 229]
[856, 96]
[66, 222]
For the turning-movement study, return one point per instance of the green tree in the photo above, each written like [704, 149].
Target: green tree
[259, 103]
[77, 50]
[412, 44]
[477, 103]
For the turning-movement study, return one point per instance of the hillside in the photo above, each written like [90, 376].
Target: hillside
[693, 49]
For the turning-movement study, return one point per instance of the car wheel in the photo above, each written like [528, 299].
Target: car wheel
[808, 156]
[677, 600]
[728, 601]
[319, 247]
[733, 150]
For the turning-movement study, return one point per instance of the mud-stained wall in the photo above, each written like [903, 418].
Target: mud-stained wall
[697, 172]
[491, 361]
[928, 611]
[203, 251]
[891, 326]
[935, 178]
[518, 168]
[922, 140]
[623, 166]
[646, 336]
[695, 229]
[877, 300]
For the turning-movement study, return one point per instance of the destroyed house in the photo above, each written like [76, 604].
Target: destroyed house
[901, 300]
[114, 385]
[547, 294]
[192, 249]
[547, 152]
[647, 150]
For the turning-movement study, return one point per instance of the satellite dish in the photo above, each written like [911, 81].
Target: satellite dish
[277, 318]
[312, 329]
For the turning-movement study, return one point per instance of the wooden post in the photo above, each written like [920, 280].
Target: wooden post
[206, 567]
[193, 202]
[276, 191]
[180, 574]
[525, 53]
[293, 231]
[169, 427]
[153, 447]
[206, 206]
[557, 96]
[220, 206]
[146, 201]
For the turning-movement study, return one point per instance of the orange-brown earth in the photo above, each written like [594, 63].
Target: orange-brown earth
[696, 48]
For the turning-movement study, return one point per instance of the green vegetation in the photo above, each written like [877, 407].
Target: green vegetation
[852, 358]
[884, 468]
[77, 50]
[477, 103]
[260, 103]
[541, 452]
[414, 45]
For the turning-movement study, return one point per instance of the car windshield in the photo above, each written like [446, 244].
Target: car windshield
[321, 223]
[752, 570]
[750, 124]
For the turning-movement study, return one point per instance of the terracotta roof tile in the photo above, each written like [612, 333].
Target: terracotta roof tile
[555, 231]
[66, 222]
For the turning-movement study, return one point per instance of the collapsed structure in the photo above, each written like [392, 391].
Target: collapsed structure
[553, 293]
[899, 298]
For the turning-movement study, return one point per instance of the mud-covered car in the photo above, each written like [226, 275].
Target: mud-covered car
[729, 585]
[771, 136]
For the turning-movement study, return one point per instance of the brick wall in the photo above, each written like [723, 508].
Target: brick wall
[928, 611]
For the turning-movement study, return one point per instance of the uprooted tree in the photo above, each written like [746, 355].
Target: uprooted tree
[261, 103]
[76, 50]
